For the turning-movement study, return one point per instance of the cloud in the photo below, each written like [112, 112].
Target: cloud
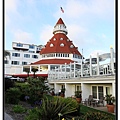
[76, 33]
[22, 36]
[46, 33]
[11, 5]
[104, 36]
[97, 8]
[94, 53]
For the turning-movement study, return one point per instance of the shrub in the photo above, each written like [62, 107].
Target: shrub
[54, 108]
[24, 88]
[33, 114]
[97, 116]
[19, 109]
[12, 95]
[8, 83]
[37, 88]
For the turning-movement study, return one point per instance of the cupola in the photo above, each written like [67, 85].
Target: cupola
[60, 27]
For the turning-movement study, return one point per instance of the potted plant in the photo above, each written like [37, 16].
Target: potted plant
[78, 96]
[110, 100]
[62, 92]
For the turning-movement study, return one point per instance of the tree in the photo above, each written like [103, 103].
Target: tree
[37, 87]
[27, 71]
[34, 70]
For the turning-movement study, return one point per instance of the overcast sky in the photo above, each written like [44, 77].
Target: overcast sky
[90, 23]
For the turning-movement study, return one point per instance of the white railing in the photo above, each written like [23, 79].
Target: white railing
[71, 73]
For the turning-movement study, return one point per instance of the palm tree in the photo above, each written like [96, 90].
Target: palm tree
[27, 71]
[34, 70]
[6, 53]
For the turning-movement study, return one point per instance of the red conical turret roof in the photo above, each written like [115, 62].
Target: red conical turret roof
[60, 21]
[60, 43]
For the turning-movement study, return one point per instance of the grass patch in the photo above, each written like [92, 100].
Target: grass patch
[21, 84]
[84, 109]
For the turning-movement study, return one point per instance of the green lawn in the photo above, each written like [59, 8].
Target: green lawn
[85, 109]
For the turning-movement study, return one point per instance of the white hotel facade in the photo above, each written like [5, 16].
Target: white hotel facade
[61, 62]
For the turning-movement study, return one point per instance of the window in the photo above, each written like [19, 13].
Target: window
[31, 46]
[16, 54]
[100, 91]
[65, 55]
[15, 62]
[78, 88]
[51, 45]
[6, 62]
[61, 44]
[97, 91]
[54, 39]
[107, 90]
[71, 46]
[31, 51]
[61, 38]
[34, 56]
[19, 45]
[24, 63]
[26, 55]
[94, 91]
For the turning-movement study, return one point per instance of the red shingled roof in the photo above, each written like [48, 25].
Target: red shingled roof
[60, 21]
[26, 75]
[57, 48]
[53, 61]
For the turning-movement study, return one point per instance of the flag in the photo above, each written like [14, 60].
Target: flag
[62, 9]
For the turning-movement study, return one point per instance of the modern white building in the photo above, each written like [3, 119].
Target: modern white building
[22, 54]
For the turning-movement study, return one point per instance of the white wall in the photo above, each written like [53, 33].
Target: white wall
[86, 90]
[70, 88]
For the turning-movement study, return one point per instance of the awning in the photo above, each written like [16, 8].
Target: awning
[31, 75]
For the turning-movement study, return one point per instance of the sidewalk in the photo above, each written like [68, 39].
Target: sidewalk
[7, 117]
[102, 109]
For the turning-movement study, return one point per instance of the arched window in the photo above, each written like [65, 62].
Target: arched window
[61, 38]
[61, 44]
[54, 39]
[71, 46]
[51, 45]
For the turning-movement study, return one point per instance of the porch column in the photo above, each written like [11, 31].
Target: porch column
[58, 72]
[112, 60]
[30, 68]
[90, 65]
[55, 73]
[82, 67]
[68, 90]
[113, 88]
[65, 70]
[22, 70]
[98, 72]
[48, 67]
[70, 70]
[61, 76]
[56, 87]
[74, 69]
[39, 68]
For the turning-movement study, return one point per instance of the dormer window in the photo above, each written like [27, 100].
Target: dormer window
[51, 45]
[61, 38]
[71, 46]
[54, 39]
[62, 45]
